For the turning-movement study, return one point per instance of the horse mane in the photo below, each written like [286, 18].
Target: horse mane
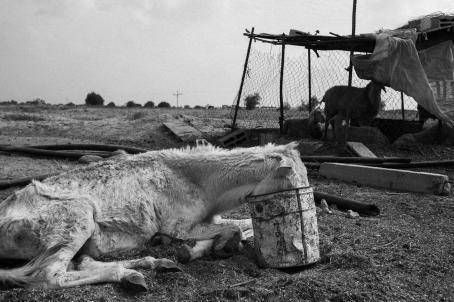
[210, 152]
[268, 148]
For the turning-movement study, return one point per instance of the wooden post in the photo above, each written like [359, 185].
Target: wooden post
[281, 84]
[237, 107]
[350, 68]
[309, 75]
[402, 106]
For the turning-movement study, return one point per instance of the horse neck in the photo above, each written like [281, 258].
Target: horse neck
[219, 173]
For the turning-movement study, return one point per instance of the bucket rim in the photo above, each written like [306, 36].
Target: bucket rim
[281, 191]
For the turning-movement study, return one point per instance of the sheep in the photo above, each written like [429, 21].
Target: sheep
[308, 127]
[316, 118]
[358, 105]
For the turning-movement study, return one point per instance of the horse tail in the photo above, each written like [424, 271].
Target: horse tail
[29, 274]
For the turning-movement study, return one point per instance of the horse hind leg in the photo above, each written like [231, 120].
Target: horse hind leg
[53, 270]
[68, 226]
[131, 280]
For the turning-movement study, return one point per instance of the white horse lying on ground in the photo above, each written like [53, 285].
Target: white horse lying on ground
[113, 206]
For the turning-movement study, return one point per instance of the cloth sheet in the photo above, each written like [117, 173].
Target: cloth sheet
[396, 63]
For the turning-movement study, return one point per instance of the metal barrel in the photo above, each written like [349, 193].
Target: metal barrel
[285, 228]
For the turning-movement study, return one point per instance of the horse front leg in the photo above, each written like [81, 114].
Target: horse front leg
[221, 239]
[245, 225]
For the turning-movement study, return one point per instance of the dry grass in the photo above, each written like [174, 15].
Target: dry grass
[404, 254]
[23, 117]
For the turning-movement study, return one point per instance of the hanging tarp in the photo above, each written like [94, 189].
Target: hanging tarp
[395, 62]
[438, 61]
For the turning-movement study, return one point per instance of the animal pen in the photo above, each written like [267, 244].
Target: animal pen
[289, 81]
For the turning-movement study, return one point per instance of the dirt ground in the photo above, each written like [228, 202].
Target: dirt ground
[404, 254]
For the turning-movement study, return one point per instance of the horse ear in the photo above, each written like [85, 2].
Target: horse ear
[292, 145]
[284, 168]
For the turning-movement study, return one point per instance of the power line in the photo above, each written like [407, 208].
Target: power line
[177, 94]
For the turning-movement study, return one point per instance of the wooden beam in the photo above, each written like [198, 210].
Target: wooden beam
[183, 131]
[240, 91]
[347, 204]
[393, 179]
[359, 149]
[281, 90]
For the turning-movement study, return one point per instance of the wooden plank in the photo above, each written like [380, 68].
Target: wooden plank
[233, 138]
[393, 179]
[183, 131]
[359, 149]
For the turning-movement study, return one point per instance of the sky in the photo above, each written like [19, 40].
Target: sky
[142, 50]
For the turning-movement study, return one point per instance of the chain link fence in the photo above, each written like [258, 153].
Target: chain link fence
[327, 70]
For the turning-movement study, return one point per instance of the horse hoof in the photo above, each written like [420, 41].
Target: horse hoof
[167, 265]
[134, 282]
[232, 246]
[183, 254]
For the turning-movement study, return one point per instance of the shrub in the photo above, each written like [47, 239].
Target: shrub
[287, 106]
[138, 115]
[94, 99]
[23, 117]
[12, 102]
[163, 105]
[37, 101]
[187, 107]
[198, 107]
[132, 104]
[252, 100]
[111, 104]
[149, 104]
[314, 103]
[382, 105]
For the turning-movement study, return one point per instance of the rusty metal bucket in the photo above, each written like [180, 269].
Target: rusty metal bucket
[285, 228]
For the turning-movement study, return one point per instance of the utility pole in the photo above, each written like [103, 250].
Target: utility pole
[177, 94]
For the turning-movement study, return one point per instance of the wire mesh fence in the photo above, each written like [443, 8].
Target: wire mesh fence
[328, 69]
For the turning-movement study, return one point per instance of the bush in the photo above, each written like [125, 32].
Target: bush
[149, 104]
[12, 102]
[94, 99]
[138, 115]
[23, 117]
[187, 107]
[111, 104]
[287, 106]
[132, 104]
[382, 105]
[163, 105]
[252, 100]
[198, 107]
[37, 101]
[314, 103]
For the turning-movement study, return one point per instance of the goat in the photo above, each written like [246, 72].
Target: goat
[353, 104]
[117, 205]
